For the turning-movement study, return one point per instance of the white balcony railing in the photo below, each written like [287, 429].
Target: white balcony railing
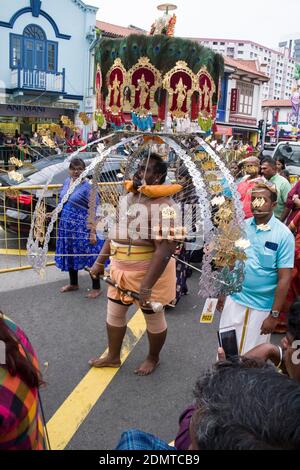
[38, 80]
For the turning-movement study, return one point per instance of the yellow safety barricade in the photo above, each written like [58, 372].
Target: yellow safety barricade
[16, 212]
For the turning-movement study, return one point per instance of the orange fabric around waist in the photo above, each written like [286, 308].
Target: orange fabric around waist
[130, 265]
[129, 275]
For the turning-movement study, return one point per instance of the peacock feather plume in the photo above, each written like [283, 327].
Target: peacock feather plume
[163, 52]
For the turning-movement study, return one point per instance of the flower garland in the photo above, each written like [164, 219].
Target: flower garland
[142, 123]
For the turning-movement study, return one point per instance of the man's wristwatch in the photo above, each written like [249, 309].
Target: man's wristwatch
[274, 314]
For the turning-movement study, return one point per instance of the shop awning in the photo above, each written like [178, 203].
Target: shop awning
[223, 130]
[245, 128]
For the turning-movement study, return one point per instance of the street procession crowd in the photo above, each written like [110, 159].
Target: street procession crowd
[153, 90]
[262, 405]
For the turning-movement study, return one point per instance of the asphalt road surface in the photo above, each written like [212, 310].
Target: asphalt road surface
[89, 409]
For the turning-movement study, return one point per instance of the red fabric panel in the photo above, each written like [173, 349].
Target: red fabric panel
[195, 107]
[187, 81]
[150, 79]
[205, 80]
[120, 76]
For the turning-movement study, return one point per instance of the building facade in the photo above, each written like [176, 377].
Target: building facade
[239, 109]
[279, 66]
[45, 61]
[282, 123]
[293, 46]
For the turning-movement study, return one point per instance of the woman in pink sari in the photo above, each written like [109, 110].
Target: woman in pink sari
[294, 290]
[292, 204]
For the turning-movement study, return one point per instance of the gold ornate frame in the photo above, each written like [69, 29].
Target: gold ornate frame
[180, 66]
[143, 62]
[98, 90]
[116, 65]
[204, 71]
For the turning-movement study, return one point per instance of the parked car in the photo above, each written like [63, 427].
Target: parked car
[267, 150]
[16, 210]
[290, 152]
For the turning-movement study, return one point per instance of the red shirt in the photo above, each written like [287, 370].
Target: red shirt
[245, 189]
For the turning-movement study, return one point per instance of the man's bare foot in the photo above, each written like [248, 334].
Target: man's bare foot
[147, 367]
[105, 361]
[93, 294]
[68, 288]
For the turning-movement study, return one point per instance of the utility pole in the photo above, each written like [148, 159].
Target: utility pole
[277, 111]
[264, 130]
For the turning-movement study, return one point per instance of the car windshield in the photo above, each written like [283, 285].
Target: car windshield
[38, 173]
[289, 152]
[30, 169]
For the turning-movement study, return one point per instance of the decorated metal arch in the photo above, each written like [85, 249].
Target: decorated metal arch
[221, 219]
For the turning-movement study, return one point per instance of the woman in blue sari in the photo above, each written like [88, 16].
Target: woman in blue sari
[77, 246]
[187, 196]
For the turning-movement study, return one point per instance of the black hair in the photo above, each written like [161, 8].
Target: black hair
[281, 160]
[246, 406]
[286, 173]
[160, 167]
[75, 162]
[183, 172]
[270, 161]
[273, 196]
[294, 319]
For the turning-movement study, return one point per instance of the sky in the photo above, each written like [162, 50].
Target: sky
[263, 21]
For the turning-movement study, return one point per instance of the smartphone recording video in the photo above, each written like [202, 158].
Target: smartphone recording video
[228, 341]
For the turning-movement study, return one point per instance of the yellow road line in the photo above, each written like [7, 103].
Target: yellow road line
[71, 414]
[9, 251]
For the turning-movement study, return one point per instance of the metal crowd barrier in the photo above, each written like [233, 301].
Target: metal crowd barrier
[16, 212]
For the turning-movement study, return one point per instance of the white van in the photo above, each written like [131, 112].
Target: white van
[290, 152]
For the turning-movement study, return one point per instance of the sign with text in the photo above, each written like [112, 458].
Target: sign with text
[223, 130]
[234, 100]
[19, 110]
[90, 105]
[271, 132]
[208, 312]
[246, 121]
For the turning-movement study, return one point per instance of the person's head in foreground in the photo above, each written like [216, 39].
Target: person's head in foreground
[246, 405]
[263, 201]
[20, 423]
